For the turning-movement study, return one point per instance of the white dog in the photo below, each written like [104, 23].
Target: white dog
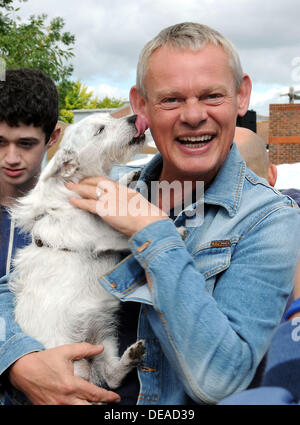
[58, 297]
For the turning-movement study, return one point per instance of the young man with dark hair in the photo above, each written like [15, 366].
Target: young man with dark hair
[28, 118]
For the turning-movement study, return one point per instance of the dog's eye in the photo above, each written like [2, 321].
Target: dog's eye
[100, 129]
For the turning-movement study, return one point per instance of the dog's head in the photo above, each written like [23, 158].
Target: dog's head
[93, 145]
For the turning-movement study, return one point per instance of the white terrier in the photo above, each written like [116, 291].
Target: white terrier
[55, 280]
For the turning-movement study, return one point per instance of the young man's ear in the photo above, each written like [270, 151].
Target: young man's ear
[54, 137]
[244, 94]
[138, 103]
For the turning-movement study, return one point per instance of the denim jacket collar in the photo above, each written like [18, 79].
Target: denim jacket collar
[225, 190]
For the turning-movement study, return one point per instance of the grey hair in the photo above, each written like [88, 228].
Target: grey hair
[187, 35]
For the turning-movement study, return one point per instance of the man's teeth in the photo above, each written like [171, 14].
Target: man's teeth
[196, 142]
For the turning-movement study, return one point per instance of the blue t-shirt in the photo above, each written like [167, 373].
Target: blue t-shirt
[10, 239]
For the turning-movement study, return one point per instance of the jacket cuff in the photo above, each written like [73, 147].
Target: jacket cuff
[15, 348]
[154, 239]
[129, 275]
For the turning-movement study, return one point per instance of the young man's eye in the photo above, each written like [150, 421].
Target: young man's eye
[26, 145]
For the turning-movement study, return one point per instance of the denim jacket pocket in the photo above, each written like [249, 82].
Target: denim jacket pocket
[211, 261]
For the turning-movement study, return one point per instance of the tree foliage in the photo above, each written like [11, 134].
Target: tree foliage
[35, 44]
[46, 46]
[77, 95]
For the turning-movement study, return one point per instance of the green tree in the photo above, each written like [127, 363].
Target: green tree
[76, 95]
[79, 97]
[108, 102]
[35, 44]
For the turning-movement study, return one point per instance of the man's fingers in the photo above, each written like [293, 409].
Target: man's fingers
[81, 403]
[84, 190]
[92, 393]
[85, 204]
[81, 350]
[94, 181]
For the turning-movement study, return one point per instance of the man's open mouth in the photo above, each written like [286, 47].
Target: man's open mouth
[196, 141]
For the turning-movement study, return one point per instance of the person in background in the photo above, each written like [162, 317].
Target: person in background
[28, 118]
[253, 150]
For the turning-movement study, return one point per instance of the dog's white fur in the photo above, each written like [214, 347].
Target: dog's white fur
[58, 297]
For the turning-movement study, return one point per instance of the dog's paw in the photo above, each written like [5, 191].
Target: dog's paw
[130, 179]
[137, 352]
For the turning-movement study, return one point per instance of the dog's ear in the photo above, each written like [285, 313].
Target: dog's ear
[64, 164]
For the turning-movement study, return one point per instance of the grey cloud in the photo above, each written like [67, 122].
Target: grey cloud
[111, 33]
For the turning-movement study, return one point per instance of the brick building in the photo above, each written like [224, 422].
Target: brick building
[284, 133]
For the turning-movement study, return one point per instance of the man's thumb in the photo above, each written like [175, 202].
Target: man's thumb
[83, 349]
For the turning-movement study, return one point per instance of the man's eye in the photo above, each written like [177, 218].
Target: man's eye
[170, 102]
[26, 145]
[215, 98]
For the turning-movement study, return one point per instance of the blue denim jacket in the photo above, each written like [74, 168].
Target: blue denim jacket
[217, 296]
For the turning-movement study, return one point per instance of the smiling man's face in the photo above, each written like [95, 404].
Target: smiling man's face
[192, 105]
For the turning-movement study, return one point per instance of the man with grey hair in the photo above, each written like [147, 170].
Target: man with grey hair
[206, 306]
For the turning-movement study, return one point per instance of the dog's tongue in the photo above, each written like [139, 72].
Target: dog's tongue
[141, 125]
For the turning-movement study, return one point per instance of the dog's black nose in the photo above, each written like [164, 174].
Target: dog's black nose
[132, 119]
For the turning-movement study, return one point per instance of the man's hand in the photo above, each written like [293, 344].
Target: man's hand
[123, 208]
[47, 377]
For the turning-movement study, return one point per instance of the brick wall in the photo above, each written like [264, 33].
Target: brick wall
[284, 133]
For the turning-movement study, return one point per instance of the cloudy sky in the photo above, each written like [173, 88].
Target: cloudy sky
[110, 34]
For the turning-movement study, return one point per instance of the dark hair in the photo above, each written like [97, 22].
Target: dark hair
[29, 96]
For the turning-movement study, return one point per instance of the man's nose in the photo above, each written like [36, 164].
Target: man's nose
[193, 113]
[12, 155]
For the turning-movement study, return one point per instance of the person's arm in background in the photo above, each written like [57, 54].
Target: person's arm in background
[294, 309]
[280, 382]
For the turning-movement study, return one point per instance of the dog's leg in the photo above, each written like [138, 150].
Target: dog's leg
[129, 178]
[115, 373]
[109, 369]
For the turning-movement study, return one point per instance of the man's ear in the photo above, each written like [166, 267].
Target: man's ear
[138, 103]
[272, 174]
[244, 94]
[54, 137]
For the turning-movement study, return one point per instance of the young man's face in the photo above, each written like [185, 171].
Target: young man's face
[22, 150]
[191, 106]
